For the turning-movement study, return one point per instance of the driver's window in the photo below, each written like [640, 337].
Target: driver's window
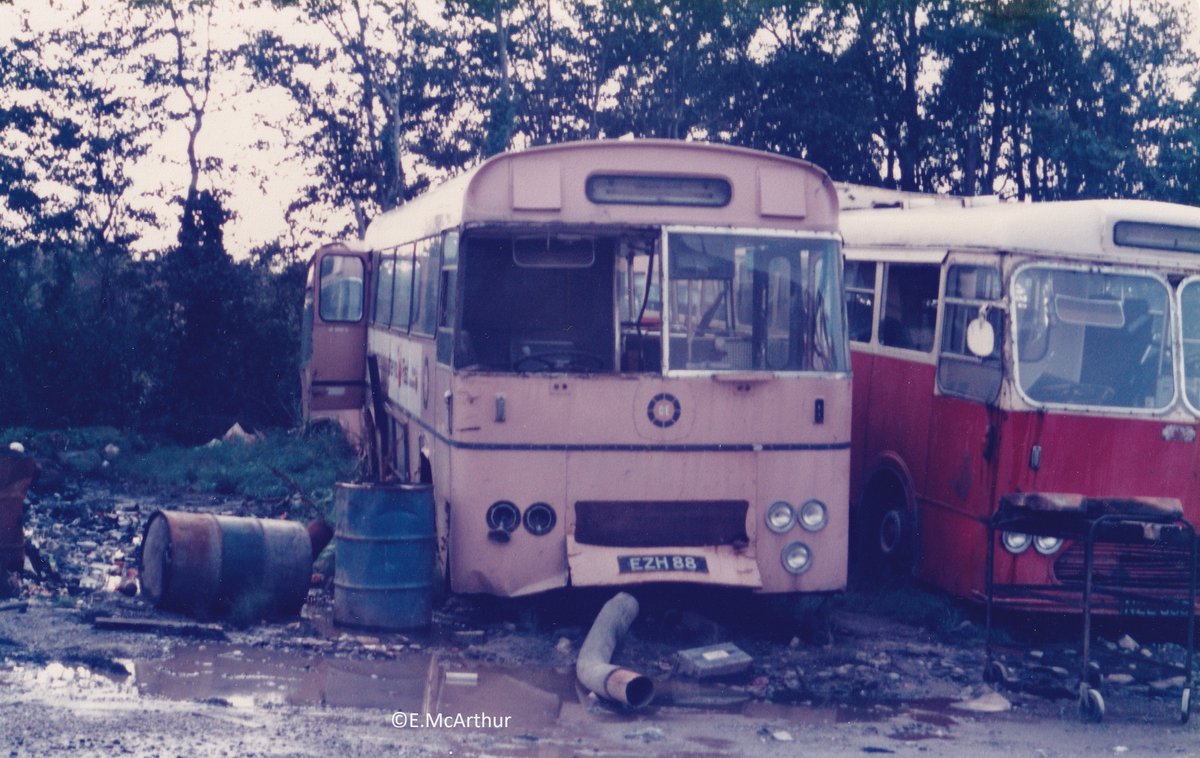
[972, 292]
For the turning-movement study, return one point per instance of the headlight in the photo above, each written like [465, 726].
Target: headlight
[813, 515]
[540, 519]
[503, 515]
[797, 558]
[780, 517]
[1047, 545]
[1015, 542]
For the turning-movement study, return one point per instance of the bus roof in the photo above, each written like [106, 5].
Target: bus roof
[1117, 230]
[550, 185]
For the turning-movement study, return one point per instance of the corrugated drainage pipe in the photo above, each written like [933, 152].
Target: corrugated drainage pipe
[593, 667]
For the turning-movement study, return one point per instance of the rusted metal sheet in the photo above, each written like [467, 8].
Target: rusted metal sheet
[16, 473]
[205, 565]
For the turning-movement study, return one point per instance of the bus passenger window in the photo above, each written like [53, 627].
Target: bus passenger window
[860, 298]
[383, 293]
[909, 306]
[425, 286]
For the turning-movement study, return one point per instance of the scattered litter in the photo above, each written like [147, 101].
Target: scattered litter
[713, 660]
[782, 735]
[1171, 683]
[563, 646]
[16, 447]
[1119, 678]
[989, 702]
[462, 678]
[160, 626]
[1127, 643]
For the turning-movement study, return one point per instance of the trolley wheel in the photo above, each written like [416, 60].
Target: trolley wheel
[995, 673]
[1091, 704]
[1185, 705]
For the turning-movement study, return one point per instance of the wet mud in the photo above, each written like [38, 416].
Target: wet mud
[493, 677]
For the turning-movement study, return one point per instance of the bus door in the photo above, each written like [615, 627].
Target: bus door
[334, 338]
[964, 426]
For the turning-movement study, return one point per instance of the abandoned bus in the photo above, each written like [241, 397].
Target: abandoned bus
[1043, 355]
[615, 362]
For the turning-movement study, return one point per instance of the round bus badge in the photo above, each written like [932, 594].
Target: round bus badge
[664, 409]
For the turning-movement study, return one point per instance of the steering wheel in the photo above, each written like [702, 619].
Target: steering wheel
[560, 360]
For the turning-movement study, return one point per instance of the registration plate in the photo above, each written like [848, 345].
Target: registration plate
[649, 564]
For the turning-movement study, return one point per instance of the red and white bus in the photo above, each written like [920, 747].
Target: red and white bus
[1007, 352]
[505, 338]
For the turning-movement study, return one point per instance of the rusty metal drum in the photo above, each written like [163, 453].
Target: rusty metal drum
[386, 552]
[205, 565]
[16, 473]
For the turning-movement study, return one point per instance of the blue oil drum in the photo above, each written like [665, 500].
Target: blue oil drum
[386, 555]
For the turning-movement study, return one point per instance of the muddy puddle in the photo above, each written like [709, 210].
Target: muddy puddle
[421, 689]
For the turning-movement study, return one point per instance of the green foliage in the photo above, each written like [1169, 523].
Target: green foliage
[266, 469]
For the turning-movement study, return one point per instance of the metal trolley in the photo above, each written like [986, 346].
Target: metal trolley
[1144, 527]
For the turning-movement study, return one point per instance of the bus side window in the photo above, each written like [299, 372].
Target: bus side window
[909, 306]
[860, 298]
[961, 372]
[402, 292]
[425, 285]
[383, 288]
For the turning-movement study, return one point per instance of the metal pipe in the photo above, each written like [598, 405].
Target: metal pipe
[593, 667]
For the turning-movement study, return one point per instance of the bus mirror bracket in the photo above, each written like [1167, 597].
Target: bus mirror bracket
[981, 337]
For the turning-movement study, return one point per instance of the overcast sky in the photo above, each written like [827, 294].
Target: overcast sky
[264, 181]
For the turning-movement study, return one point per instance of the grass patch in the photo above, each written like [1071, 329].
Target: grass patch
[314, 460]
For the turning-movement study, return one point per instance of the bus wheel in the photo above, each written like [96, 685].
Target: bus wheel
[888, 536]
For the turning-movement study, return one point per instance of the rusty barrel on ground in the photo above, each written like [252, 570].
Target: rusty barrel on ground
[383, 576]
[16, 473]
[225, 566]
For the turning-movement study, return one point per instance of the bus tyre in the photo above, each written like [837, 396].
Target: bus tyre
[891, 549]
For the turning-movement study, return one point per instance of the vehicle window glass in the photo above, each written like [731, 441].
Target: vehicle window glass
[425, 285]
[860, 299]
[402, 290]
[744, 302]
[909, 306]
[960, 371]
[1093, 338]
[1189, 307]
[341, 288]
[383, 288]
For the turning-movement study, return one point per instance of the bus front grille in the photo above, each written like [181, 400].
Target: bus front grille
[661, 523]
[1131, 566]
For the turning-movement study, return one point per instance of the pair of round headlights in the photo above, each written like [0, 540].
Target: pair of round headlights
[504, 516]
[1018, 542]
[812, 516]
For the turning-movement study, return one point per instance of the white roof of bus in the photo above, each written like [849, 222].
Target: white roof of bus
[488, 192]
[1082, 228]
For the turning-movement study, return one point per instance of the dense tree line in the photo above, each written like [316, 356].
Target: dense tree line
[1033, 99]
